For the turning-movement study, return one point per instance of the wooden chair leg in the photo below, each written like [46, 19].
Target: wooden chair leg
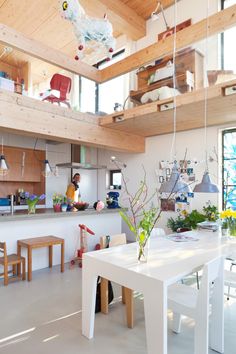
[123, 295]
[5, 275]
[104, 296]
[14, 269]
[23, 269]
[129, 307]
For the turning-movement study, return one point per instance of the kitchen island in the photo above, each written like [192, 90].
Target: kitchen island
[44, 222]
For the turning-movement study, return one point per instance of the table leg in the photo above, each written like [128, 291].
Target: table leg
[29, 263]
[104, 296]
[50, 255]
[89, 286]
[155, 308]
[217, 316]
[19, 255]
[62, 256]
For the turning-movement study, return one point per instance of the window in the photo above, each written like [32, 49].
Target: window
[228, 61]
[112, 91]
[115, 179]
[229, 168]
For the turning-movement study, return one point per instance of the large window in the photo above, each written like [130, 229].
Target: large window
[229, 169]
[228, 61]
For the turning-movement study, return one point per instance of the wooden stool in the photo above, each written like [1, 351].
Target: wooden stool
[11, 260]
[127, 294]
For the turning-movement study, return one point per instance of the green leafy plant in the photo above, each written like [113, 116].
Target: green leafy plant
[175, 224]
[57, 198]
[189, 221]
[211, 212]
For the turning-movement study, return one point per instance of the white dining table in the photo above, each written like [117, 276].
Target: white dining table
[168, 262]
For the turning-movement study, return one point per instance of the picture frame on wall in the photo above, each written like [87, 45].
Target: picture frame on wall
[168, 204]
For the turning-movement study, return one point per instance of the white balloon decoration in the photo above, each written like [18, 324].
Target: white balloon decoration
[88, 29]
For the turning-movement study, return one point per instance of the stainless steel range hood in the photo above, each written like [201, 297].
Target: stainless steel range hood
[81, 158]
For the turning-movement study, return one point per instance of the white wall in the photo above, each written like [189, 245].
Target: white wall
[157, 149]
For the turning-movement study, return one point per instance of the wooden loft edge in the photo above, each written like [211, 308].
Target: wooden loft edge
[19, 41]
[130, 23]
[218, 22]
[150, 120]
[27, 116]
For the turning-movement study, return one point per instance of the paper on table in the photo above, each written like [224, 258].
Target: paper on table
[182, 238]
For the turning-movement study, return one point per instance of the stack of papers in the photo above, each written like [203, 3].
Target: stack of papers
[208, 225]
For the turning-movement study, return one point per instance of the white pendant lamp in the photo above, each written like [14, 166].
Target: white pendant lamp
[175, 183]
[4, 169]
[155, 14]
[206, 185]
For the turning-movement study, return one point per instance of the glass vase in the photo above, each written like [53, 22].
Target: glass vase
[142, 247]
[232, 230]
[31, 208]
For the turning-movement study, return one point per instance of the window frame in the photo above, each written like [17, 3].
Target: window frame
[224, 132]
[111, 175]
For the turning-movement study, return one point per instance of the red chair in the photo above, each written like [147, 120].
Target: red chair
[60, 87]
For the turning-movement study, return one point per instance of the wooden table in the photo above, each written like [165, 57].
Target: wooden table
[38, 242]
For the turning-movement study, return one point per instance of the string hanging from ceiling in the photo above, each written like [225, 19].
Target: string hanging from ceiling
[88, 30]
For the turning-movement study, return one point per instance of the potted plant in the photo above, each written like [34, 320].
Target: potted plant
[211, 212]
[229, 221]
[57, 201]
[64, 204]
[32, 200]
[187, 221]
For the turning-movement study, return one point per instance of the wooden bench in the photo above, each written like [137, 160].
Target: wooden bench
[39, 242]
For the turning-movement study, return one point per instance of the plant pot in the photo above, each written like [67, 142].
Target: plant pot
[57, 208]
[64, 207]
[225, 232]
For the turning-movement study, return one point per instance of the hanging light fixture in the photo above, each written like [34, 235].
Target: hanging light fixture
[155, 14]
[4, 169]
[206, 185]
[47, 171]
[175, 184]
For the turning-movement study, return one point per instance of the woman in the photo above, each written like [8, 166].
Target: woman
[73, 190]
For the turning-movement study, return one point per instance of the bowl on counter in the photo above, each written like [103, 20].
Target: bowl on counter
[81, 205]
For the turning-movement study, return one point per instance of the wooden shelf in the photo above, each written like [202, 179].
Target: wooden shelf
[182, 86]
[156, 118]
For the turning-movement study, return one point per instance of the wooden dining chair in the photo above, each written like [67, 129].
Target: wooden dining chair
[12, 260]
[127, 294]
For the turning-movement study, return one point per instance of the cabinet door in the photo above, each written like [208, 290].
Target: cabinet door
[25, 165]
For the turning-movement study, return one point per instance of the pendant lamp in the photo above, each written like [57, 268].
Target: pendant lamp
[206, 185]
[47, 171]
[4, 169]
[155, 14]
[175, 184]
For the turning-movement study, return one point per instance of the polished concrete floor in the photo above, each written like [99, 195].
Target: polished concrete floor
[44, 317]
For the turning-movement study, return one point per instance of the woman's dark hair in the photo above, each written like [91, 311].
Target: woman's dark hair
[75, 184]
[75, 175]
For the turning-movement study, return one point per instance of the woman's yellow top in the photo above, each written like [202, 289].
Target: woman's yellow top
[70, 192]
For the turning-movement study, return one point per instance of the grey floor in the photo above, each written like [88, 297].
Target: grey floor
[44, 317]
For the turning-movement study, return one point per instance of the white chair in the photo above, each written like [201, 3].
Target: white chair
[157, 231]
[230, 281]
[188, 301]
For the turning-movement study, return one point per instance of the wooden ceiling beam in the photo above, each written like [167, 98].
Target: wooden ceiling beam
[38, 50]
[217, 23]
[27, 116]
[130, 23]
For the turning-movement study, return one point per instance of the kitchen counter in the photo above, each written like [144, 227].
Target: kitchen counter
[45, 222]
[46, 213]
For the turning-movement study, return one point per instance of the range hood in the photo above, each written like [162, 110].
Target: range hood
[81, 158]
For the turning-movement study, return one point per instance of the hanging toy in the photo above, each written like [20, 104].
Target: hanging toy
[88, 29]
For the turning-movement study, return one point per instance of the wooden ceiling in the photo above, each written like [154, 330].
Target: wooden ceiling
[41, 20]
